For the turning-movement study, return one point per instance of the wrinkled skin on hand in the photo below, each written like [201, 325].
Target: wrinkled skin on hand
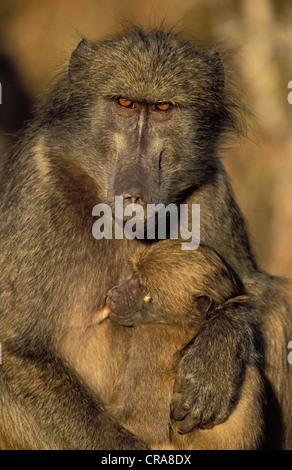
[210, 374]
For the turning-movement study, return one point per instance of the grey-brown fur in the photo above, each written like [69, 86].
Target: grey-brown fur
[82, 149]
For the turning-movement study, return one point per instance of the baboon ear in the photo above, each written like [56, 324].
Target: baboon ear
[203, 303]
[216, 61]
[79, 58]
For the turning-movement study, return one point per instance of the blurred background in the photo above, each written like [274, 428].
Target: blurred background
[36, 39]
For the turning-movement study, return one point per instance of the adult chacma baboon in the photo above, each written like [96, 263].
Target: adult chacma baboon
[140, 116]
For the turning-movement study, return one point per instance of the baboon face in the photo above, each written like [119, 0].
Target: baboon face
[132, 304]
[170, 285]
[145, 112]
[129, 303]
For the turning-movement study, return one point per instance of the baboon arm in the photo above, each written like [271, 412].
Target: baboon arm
[70, 416]
[211, 372]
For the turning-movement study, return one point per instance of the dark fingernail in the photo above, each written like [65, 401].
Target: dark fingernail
[207, 425]
[188, 425]
[178, 414]
[177, 388]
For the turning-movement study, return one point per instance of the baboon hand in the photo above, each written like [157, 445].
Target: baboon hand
[204, 393]
[211, 372]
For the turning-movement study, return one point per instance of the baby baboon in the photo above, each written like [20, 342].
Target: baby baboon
[140, 116]
[170, 298]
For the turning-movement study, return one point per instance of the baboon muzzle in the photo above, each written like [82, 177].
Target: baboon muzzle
[137, 172]
[125, 299]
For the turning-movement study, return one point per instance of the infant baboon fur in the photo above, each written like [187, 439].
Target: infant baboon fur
[169, 299]
[141, 116]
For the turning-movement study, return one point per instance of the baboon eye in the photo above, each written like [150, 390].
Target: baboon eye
[165, 106]
[125, 102]
[148, 298]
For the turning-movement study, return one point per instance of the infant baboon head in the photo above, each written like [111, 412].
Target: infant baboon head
[171, 285]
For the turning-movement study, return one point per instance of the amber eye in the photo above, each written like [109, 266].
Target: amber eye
[125, 102]
[148, 298]
[163, 106]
